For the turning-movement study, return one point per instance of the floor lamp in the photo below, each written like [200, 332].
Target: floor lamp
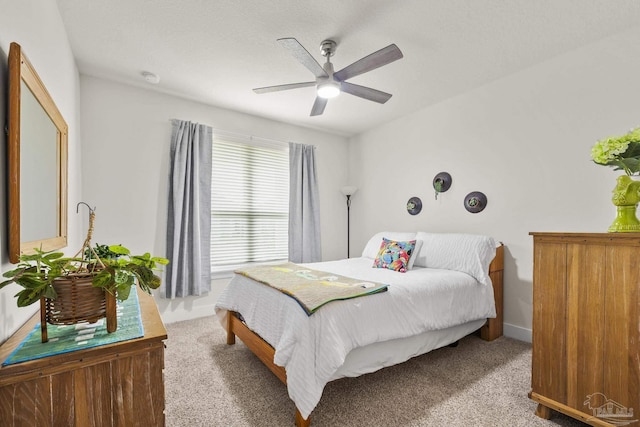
[348, 191]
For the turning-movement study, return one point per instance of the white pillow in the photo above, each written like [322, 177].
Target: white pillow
[414, 254]
[468, 253]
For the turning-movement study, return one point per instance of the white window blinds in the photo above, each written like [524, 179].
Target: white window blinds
[249, 203]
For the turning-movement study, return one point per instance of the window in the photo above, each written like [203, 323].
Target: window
[249, 202]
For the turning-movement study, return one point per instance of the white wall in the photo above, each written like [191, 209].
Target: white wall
[126, 136]
[524, 141]
[37, 26]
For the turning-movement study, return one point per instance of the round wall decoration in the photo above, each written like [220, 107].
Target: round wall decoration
[475, 202]
[442, 182]
[414, 205]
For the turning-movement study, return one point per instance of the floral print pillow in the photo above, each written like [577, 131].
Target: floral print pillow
[394, 255]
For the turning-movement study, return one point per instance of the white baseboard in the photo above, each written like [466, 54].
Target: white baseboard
[191, 307]
[184, 314]
[517, 332]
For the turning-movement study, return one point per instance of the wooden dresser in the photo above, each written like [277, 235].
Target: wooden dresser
[118, 384]
[586, 326]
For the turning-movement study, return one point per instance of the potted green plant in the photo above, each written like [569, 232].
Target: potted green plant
[71, 290]
[116, 272]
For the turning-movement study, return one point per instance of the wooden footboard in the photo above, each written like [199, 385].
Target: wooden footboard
[262, 349]
[491, 330]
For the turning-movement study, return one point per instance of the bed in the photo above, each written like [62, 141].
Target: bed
[452, 287]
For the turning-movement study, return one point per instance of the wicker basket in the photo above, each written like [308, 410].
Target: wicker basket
[77, 301]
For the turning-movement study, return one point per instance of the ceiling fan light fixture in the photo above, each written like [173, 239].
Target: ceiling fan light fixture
[328, 89]
[328, 83]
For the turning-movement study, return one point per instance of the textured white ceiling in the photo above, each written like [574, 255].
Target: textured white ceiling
[215, 52]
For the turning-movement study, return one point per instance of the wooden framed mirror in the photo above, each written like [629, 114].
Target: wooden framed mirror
[37, 154]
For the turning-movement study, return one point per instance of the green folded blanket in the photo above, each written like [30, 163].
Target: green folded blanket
[310, 288]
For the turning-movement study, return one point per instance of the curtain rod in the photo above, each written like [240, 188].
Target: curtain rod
[249, 137]
[242, 135]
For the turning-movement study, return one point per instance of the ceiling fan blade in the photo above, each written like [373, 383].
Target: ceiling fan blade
[303, 56]
[365, 92]
[377, 59]
[318, 106]
[268, 89]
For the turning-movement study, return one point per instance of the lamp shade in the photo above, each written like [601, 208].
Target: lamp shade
[328, 89]
[349, 190]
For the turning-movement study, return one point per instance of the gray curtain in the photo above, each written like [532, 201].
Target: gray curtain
[189, 219]
[304, 205]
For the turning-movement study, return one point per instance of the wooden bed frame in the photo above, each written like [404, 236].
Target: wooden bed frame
[491, 330]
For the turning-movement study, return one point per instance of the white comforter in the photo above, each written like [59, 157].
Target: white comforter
[312, 348]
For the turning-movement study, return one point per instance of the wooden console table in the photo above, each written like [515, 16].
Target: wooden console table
[119, 384]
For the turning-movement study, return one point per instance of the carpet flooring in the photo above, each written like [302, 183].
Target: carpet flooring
[478, 383]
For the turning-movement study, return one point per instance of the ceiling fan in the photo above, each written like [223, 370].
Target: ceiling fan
[329, 84]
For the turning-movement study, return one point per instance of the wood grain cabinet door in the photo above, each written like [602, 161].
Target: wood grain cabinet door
[622, 327]
[586, 294]
[549, 347]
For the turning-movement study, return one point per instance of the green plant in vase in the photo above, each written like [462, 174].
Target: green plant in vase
[622, 153]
